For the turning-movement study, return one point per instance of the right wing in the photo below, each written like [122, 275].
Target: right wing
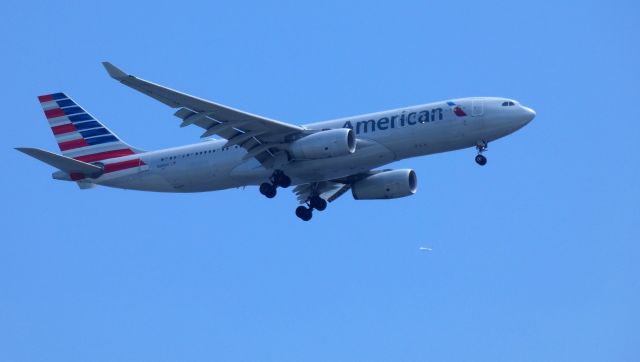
[260, 136]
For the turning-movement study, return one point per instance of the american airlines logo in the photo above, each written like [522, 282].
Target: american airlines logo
[399, 120]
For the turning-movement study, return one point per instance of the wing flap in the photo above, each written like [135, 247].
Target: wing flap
[328, 190]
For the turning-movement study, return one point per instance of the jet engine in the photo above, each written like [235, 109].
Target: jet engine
[324, 144]
[386, 185]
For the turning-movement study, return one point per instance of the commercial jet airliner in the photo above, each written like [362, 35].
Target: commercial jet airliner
[322, 160]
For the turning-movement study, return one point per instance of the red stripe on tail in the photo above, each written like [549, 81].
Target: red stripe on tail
[75, 176]
[53, 113]
[112, 167]
[69, 145]
[65, 128]
[45, 98]
[104, 155]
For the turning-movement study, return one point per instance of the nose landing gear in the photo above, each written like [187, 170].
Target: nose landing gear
[277, 179]
[481, 146]
[481, 160]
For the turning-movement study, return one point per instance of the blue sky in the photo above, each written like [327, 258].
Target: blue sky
[535, 256]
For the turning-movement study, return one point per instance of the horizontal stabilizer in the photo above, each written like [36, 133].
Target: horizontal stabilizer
[63, 163]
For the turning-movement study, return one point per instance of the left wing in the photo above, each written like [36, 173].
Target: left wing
[260, 136]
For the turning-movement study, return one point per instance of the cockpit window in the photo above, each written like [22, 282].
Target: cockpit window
[508, 104]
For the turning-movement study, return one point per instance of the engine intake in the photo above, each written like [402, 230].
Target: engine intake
[324, 144]
[386, 185]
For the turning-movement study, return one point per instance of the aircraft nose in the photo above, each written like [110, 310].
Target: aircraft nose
[528, 114]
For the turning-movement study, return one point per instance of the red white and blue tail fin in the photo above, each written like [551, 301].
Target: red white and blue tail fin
[78, 134]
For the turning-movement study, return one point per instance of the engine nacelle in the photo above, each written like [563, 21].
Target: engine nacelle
[386, 185]
[324, 144]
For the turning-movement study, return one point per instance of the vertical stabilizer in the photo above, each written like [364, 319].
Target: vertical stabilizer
[78, 134]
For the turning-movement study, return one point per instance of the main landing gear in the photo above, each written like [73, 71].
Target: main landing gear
[315, 202]
[277, 179]
[481, 146]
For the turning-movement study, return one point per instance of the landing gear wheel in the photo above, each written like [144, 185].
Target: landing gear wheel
[268, 190]
[304, 213]
[481, 146]
[318, 203]
[283, 181]
[279, 179]
[481, 160]
[272, 193]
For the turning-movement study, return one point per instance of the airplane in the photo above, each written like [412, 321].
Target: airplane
[323, 160]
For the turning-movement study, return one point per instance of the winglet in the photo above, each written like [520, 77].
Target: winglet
[114, 71]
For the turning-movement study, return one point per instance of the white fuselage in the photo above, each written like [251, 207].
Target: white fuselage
[382, 138]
